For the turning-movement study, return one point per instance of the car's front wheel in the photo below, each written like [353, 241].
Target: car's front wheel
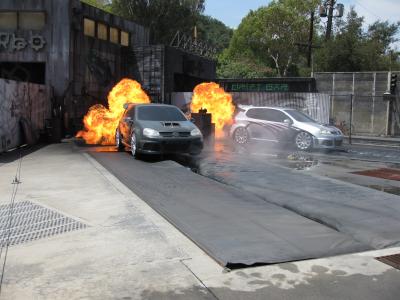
[304, 141]
[133, 144]
[241, 136]
[118, 141]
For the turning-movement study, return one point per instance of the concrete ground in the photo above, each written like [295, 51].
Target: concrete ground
[128, 251]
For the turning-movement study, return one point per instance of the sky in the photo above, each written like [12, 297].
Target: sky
[231, 12]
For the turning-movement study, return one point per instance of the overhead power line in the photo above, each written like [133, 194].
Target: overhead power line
[7, 231]
[367, 9]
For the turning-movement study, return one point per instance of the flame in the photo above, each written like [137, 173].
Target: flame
[211, 96]
[101, 122]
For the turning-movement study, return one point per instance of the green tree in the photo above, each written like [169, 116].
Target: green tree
[352, 49]
[343, 51]
[163, 17]
[214, 32]
[384, 34]
[269, 37]
[102, 4]
[241, 67]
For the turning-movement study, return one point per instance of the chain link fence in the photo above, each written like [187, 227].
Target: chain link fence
[365, 115]
[358, 98]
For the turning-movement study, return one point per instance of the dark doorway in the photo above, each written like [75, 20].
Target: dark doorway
[22, 71]
[186, 83]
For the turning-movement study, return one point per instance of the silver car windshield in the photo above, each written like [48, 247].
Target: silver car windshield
[160, 113]
[299, 116]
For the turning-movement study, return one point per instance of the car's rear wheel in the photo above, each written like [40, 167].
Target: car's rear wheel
[195, 153]
[241, 136]
[303, 141]
[118, 141]
[133, 144]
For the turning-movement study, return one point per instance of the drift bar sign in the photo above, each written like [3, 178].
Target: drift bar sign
[258, 87]
[10, 42]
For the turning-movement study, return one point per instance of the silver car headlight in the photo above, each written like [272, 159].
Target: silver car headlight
[149, 132]
[195, 132]
[325, 132]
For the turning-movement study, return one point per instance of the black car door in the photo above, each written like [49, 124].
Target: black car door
[126, 123]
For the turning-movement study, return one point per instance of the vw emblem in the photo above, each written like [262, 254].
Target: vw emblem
[176, 133]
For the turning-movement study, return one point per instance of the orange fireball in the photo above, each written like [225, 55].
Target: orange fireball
[101, 122]
[212, 97]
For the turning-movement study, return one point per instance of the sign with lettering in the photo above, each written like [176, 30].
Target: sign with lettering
[9, 41]
[258, 87]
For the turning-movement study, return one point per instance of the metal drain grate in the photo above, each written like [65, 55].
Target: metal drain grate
[391, 260]
[31, 221]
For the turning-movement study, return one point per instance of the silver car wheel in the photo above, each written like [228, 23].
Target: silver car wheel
[303, 141]
[133, 144]
[241, 136]
[117, 139]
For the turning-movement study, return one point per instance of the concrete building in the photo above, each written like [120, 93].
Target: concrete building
[79, 52]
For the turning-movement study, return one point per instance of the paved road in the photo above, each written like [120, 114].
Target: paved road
[232, 225]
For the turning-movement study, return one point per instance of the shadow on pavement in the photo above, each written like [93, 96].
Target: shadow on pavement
[8, 157]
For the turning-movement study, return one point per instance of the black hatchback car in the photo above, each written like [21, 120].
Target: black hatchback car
[157, 129]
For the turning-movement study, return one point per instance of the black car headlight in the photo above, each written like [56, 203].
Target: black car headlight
[195, 132]
[149, 132]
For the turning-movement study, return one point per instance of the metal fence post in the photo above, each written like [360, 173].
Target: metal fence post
[351, 117]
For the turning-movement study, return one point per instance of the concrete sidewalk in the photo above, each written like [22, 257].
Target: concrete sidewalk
[127, 251]
[385, 141]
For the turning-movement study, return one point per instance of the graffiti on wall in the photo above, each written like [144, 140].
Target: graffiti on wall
[11, 42]
[10, 110]
[22, 104]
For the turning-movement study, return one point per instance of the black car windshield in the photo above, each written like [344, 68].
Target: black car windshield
[299, 116]
[160, 113]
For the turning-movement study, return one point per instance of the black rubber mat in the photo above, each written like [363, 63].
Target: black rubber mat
[233, 226]
[368, 216]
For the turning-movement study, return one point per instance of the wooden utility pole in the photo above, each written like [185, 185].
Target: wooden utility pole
[331, 6]
[310, 40]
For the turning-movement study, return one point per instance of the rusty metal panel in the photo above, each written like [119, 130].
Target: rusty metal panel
[391, 260]
[385, 173]
[21, 101]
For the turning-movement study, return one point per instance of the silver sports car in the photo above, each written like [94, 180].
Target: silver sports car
[285, 126]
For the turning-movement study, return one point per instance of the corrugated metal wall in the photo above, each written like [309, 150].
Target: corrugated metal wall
[21, 102]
